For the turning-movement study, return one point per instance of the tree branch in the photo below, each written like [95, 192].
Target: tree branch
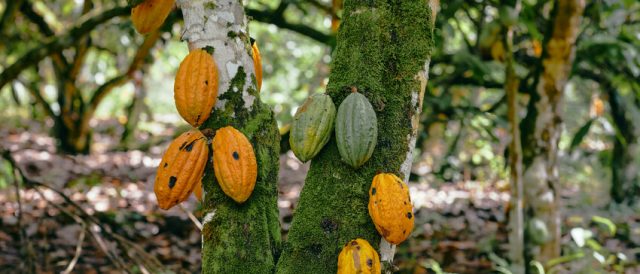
[9, 12]
[60, 42]
[272, 17]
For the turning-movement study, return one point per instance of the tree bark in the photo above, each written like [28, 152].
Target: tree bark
[237, 238]
[545, 115]
[625, 184]
[383, 49]
[516, 203]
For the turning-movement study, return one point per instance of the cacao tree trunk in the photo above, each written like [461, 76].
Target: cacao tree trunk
[543, 126]
[516, 203]
[383, 50]
[625, 184]
[237, 238]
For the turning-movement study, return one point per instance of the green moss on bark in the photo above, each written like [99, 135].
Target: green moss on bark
[382, 45]
[244, 238]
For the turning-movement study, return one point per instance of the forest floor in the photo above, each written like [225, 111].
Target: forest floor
[461, 226]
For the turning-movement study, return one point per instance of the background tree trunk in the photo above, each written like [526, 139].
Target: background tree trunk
[516, 203]
[543, 126]
[383, 50]
[625, 184]
[237, 238]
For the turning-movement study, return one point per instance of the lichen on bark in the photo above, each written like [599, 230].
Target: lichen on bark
[382, 46]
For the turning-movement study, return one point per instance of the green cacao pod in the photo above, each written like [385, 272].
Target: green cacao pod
[537, 231]
[312, 126]
[356, 130]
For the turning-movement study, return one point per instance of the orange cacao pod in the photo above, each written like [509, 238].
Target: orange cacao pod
[390, 207]
[150, 14]
[257, 63]
[358, 257]
[181, 168]
[196, 87]
[234, 163]
[197, 191]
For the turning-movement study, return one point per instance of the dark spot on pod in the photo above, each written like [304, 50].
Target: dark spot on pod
[373, 191]
[409, 215]
[369, 262]
[385, 232]
[206, 82]
[404, 232]
[183, 145]
[354, 243]
[172, 181]
[198, 118]
[235, 155]
[405, 202]
[190, 146]
[358, 247]
[165, 165]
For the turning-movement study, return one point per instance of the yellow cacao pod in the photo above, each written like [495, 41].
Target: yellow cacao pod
[181, 168]
[196, 87]
[257, 63]
[150, 14]
[234, 163]
[390, 207]
[358, 257]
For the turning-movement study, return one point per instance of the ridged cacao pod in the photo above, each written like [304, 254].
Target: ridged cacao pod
[257, 63]
[312, 126]
[358, 257]
[149, 15]
[234, 163]
[196, 87]
[390, 207]
[197, 191]
[181, 168]
[356, 130]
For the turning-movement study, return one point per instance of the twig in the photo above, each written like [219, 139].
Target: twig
[123, 244]
[112, 257]
[73, 262]
[191, 217]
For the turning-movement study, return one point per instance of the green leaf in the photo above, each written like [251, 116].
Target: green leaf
[538, 266]
[582, 132]
[608, 223]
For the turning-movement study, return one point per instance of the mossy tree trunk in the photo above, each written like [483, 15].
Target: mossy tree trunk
[237, 238]
[383, 50]
[543, 126]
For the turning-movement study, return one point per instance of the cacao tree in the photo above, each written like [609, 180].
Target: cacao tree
[383, 51]
[541, 132]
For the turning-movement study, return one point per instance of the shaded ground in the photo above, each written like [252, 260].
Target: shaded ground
[460, 226]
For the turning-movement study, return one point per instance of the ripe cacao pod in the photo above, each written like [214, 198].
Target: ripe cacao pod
[390, 207]
[196, 87]
[358, 257]
[356, 130]
[197, 191]
[312, 126]
[257, 63]
[234, 163]
[181, 168]
[149, 15]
